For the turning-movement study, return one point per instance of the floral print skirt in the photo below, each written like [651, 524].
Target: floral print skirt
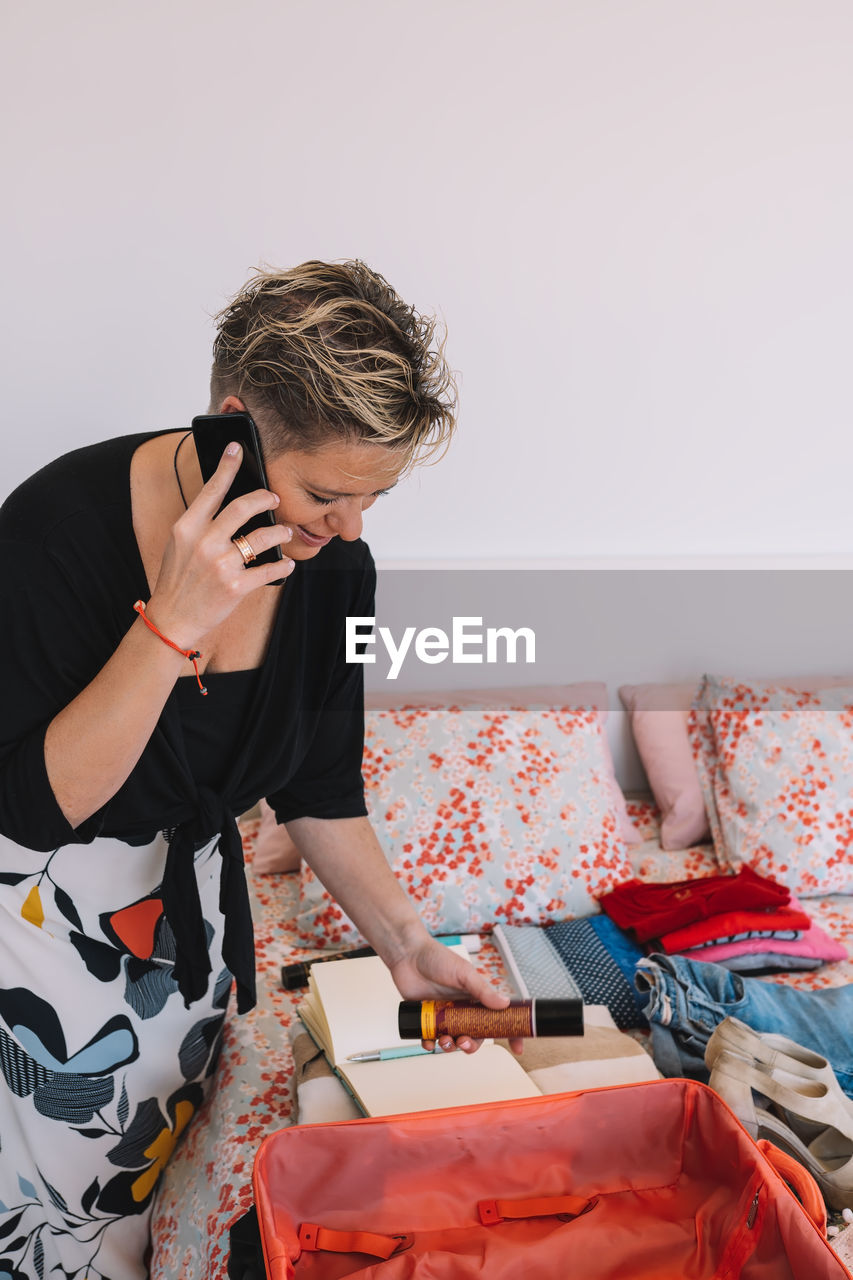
[102, 1065]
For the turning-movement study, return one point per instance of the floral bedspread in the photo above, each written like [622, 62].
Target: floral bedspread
[207, 1185]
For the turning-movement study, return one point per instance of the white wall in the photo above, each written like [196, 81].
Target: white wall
[635, 216]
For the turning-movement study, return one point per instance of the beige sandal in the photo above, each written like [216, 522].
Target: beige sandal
[803, 1117]
[769, 1051]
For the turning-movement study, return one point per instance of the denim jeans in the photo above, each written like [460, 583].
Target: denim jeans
[688, 998]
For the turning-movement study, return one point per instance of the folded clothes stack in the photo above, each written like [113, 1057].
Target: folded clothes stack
[746, 922]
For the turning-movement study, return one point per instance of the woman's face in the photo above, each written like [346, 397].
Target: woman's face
[324, 493]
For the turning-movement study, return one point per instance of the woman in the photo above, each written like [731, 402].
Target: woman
[125, 905]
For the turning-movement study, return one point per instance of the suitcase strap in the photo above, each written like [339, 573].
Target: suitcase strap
[492, 1211]
[313, 1239]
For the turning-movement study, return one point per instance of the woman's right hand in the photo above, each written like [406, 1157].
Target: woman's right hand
[202, 575]
[93, 744]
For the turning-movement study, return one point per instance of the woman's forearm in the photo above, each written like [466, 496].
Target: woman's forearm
[346, 856]
[92, 745]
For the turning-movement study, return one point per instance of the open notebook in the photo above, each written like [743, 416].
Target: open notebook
[351, 1007]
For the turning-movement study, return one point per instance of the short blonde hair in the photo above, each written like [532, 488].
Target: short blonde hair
[326, 351]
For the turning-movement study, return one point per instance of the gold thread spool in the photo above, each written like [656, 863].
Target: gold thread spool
[432, 1019]
[454, 1018]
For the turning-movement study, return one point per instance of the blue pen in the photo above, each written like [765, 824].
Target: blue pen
[384, 1055]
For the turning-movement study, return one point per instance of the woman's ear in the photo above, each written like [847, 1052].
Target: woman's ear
[231, 404]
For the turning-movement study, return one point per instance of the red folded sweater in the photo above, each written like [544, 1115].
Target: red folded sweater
[728, 924]
[650, 910]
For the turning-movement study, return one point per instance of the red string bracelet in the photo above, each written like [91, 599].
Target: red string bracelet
[192, 654]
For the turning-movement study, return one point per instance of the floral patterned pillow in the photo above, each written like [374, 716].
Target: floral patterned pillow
[487, 815]
[776, 767]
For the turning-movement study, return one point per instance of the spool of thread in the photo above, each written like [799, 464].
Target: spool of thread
[429, 1019]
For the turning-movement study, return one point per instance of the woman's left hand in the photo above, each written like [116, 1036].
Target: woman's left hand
[432, 971]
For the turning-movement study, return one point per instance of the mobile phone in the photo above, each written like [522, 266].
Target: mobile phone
[211, 433]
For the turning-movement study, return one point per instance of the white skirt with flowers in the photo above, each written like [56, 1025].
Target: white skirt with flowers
[102, 1065]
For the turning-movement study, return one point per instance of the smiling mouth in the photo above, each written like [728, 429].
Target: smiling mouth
[313, 539]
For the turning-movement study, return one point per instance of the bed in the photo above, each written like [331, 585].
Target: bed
[207, 1185]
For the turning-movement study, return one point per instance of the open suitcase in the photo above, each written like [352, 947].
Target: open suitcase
[654, 1181]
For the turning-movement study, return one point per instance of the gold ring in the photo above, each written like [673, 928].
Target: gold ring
[244, 546]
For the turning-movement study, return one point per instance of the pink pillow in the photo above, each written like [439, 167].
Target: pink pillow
[274, 849]
[658, 715]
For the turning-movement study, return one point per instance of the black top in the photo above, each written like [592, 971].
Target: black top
[209, 754]
[70, 571]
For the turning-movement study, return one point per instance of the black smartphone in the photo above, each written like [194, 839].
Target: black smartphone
[211, 433]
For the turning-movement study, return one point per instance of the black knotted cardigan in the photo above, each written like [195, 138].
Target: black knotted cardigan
[70, 571]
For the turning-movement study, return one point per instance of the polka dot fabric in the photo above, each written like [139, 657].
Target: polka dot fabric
[487, 816]
[596, 957]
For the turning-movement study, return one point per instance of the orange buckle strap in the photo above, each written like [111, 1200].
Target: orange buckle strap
[314, 1239]
[566, 1207]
